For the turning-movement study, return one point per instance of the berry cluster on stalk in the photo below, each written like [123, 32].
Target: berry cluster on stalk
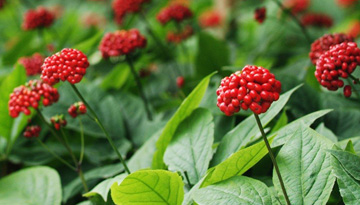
[32, 131]
[210, 19]
[78, 108]
[38, 18]
[254, 87]
[323, 44]
[176, 12]
[317, 20]
[121, 43]
[260, 14]
[58, 121]
[297, 6]
[178, 37]
[123, 7]
[32, 64]
[30, 95]
[67, 65]
[339, 62]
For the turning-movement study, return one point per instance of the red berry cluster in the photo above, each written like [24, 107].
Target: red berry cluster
[297, 6]
[38, 18]
[178, 37]
[354, 30]
[69, 64]
[32, 64]
[180, 81]
[123, 7]
[176, 12]
[58, 121]
[346, 3]
[32, 131]
[323, 44]
[317, 19]
[260, 14]
[121, 43]
[78, 108]
[29, 95]
[210, 19]
[2, 3]
[339, 62]
[254, 87]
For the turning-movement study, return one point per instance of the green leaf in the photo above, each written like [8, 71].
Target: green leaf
[286, 132]
[237, 164]
[87, 45]
[235, 190]
[324, 131]
[355, 141]
[305, 167]
[116, 78]
[349, 187]
[36, 185]
[185, 109]
[350, 147]
[212, 55]
[103, 187]
[349, 161]
[190, 149]
[149, 187]
[244, 132]
[282, 121]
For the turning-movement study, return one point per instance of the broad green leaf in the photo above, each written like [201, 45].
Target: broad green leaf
[116, 78]
[149, 187]
[237, 164]
[349, 161]
[282, 121]
[350, 147]
[305, 167]
[212, 55]
[235, 190]
[185, 109]
[244, 132]
[324, 131]
[188, 197]
[190, 149]
[103, 187]
[349, 187]
[355, 141]
[286, 132]
[36, 185]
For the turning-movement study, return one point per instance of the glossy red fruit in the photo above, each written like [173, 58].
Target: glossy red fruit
[37, 18]
[210, 19]
[347, 91]
[180, 81]
[176, 12]
[76, 109]
[58, 121]
[260, 14]
[32, 131]
[254, 87]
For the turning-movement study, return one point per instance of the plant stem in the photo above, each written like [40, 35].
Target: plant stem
[82, 142]
[68, 146]
[188, 179]
[55, 155]
[272, 158]
[96, 118]
[355, 79]
[139, 85]
[53, 131]
[297, 21]
[83, 181]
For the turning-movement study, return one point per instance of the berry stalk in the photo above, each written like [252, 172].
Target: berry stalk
[272, 158]
[68, 146]
[55, 155]
[96, 118]
[82, 141]
[139, 85]
[296, 20]
[81, 175]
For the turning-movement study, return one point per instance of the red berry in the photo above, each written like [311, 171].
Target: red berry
[38, 18]
[175, 11]
[180, 81]
[260, 14]
[339, 62]
[68, 64]
[32, 64]
[297, 6]
[178, 37]
[29, 95]
[210, 18]
[317, 19]
[123, 7]
[323, 44]
[121, 43]
[32, 131]
[347, 91]
[254, 87]
[58, 121]
[76, 109]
